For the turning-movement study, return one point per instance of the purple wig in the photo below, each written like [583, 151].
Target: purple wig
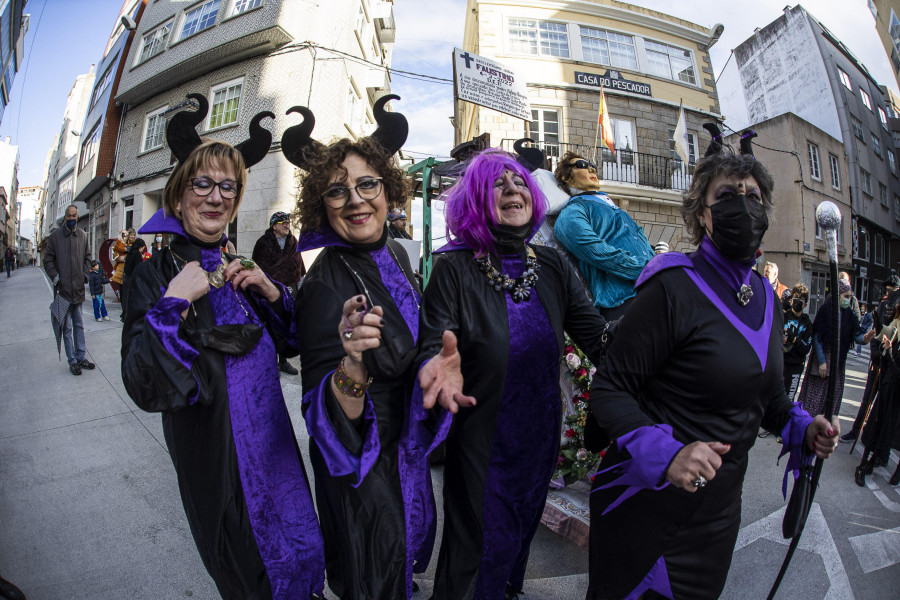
[470, 202]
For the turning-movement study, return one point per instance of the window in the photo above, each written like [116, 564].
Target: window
[89, 148]
[865, 98]
[154, 42]
[609, 48]
[353, 109]
[623, 134]
[692, 149]
[670, 62]
[882, 194]
[892, 161]
[820, 233]
[199, 18]
[545, 130]
[245, 5]
[876, 144]
[879, 249]
[102, 84]
[895, 136]
[866, 181]
[528, 36]
[226, 100]
[883, 118]
[154, 129]
[845, 79]
[129, 213]
[361, 20]
[814, 161]
[858, 129]
[896, 207]
[835, 172]
[66, 191]
[862, 251]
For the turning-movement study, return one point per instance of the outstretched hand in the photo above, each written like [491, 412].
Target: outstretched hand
[441, 378]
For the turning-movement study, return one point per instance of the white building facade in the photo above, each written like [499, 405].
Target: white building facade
[246, 56]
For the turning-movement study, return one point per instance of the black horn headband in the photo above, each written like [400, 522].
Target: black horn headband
[298, 146]
[182, 136]
[531, 158]
[715, 144]
[747, 142]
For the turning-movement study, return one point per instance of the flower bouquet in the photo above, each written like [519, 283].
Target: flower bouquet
[576, 462]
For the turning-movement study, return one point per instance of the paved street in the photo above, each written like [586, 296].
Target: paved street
[89, 505]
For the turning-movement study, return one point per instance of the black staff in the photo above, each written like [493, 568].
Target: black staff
[828, 216]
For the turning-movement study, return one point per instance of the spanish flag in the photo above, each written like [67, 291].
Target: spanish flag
[607, 138]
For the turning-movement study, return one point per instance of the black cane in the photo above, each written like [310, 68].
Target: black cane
[828, 216]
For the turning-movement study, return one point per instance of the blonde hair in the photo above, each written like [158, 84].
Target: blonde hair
[211, 153]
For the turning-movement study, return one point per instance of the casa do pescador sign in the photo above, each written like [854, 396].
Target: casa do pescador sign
[613, 80]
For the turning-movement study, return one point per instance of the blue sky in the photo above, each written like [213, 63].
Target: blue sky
[70, 35]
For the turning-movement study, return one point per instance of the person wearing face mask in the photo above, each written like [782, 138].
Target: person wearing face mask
[865, 323]
[610, 247]
[815, 382]
[797, 338]
[67, 262]
[693, 372]
[157, 245]
[854, 303]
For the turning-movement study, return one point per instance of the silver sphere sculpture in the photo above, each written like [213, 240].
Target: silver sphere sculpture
[828, 215]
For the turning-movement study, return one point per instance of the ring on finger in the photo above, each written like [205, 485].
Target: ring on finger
[348, 334]
[247, 264]
[699, 482]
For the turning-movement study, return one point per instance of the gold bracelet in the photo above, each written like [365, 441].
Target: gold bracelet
[348, 386]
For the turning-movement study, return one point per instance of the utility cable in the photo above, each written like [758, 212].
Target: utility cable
[25, 70]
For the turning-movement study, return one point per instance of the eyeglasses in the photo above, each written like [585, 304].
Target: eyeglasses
[203, 186]
[339, 195]
[583, 164]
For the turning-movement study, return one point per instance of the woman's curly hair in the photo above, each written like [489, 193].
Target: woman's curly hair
[310, 213]
[710, 167]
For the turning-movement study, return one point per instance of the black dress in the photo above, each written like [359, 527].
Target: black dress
[377, 517]
[501, 453]
[225, 423]
[882, 430]
[683, 367]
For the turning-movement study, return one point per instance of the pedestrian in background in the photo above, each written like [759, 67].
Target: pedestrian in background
[10, 259]
[854, 303]
[865, 323]
[815, 382]
[67, 262]
[797, 338]
[397, 225]
[134, 257]
[770, 272]
[96, 279]
[120, 251]
[276, 254]
[882, 428]
[157, 245]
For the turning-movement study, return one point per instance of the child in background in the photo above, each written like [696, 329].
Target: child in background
[96, 280]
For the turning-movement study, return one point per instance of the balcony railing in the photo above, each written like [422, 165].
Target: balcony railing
[625, 166]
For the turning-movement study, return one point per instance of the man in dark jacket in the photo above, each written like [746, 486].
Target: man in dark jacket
[67, 262]
[880, 318]
[10, 257]
[276, 253]
[397, 225]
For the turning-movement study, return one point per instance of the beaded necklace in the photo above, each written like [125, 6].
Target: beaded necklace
[520, 287]
[216, 279]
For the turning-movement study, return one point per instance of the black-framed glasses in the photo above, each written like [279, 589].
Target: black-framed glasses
[338, 196]
[203, 186]
[583, 164]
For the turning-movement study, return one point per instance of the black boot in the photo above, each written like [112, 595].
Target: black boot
[511, 593]
[859, 476]
[895, 478]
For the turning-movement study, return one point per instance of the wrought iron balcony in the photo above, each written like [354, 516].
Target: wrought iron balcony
[625, 166]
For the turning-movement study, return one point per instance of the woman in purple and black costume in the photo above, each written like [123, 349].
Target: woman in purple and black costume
[507, 302]
[199, 347]
[694, 370]
[357, 318]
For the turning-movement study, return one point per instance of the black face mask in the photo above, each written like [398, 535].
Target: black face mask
[739, 224]
[797, 305]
